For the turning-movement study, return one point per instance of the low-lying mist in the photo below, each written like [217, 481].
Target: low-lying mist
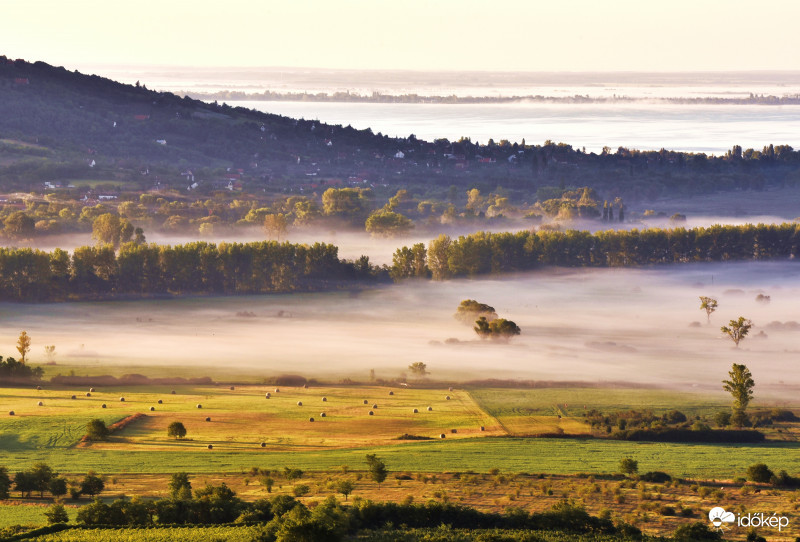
[634, 325]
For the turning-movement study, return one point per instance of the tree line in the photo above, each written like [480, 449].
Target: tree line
[194, 268]
[482, 253]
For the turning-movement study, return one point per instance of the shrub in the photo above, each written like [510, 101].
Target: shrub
[628, 465]
[96, 430]
[759, 473]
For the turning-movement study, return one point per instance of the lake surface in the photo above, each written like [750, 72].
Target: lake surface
[711, 129]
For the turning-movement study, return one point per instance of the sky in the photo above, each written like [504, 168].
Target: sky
[511, 35]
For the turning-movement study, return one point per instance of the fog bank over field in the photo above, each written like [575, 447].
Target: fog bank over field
[604, 325]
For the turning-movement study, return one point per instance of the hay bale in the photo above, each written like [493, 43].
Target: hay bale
[11, 413]
[172, 392]
[121, 399]
[442, 435]
[391, 393]
[322, 415]
[454, 431]
[38, 388]
[446, 397]
[208, 419]
[450, 388]
[416, 411]
[88, 394]
[299, 403]
[263, 444]
[233, 388]
[366, 402]
[277, 390]
[210, 446]
[483, 428]
[160, 402]
[375, 406]
[152, 409]
[371, 413]
[91, 390]
[103, 406]
[430, 409]
[267, 395]
[74, 397]
[199, 405]
[41, 403]
[324, 399]
[311, 419]
[305, 386]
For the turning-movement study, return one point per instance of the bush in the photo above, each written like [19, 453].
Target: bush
[96, 430]
[759, 473]
[694, 532]
[656, 477]
[722, 418]
[628, 466]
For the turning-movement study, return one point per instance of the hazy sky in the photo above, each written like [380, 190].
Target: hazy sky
[530, 35]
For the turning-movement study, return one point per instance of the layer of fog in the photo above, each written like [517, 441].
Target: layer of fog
[633, 325]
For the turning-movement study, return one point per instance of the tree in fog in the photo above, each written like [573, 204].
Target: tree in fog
[275, 226]
[50, 353]
[740, 386]
[470, 310]
[110, 229]
[708, 304]
[23, 346]
[418, 368]
[498, 329]
[737, 329]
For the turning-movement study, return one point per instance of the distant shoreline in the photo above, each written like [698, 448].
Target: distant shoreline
[377, 97]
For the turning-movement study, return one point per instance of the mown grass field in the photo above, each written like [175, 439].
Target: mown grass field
[241, 419]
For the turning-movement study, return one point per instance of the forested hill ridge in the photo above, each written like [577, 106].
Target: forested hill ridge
[57, 125]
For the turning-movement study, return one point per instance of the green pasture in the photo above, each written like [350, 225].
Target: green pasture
[29, 514]
[162, 534]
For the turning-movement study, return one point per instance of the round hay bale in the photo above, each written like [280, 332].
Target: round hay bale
[442, 435]
[277, 390]
[91, 390]
[305, 386]
[450, 388]
[208, 419]
[121, 399]
[446, 397]
[299, 403]
[263, 444]
[74, 397]
[267, 395]
[374, 406]
[210, 446]
[324, 399]
[454, 431]
[104, 406]
[366, 402]
[233, 388]
[391, 393]
[483, 428]
[88, 394]
[38, 388]
[416, 411]
[430, 409]
[41, 403]
[371, 413]
[311, 419]
[160, 402]
[199, 405]
[152, 409]
[322, 415]
[11, 413]
[172, 392]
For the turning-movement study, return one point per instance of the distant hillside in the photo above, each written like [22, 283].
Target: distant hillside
[57, 125]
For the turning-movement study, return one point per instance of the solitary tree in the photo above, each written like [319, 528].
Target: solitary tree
[177, 430]
[498, 329]
[377, 468]
[470, 310]
[56, 513]
[737, 329]
[96, 430]
[708, 304]
[740, 386]
[418, 369]
[92, 484]
[23, 345]
[345, 487]
[628, 465]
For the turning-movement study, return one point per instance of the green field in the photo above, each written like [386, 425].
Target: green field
[164, 534]
[243, 418]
